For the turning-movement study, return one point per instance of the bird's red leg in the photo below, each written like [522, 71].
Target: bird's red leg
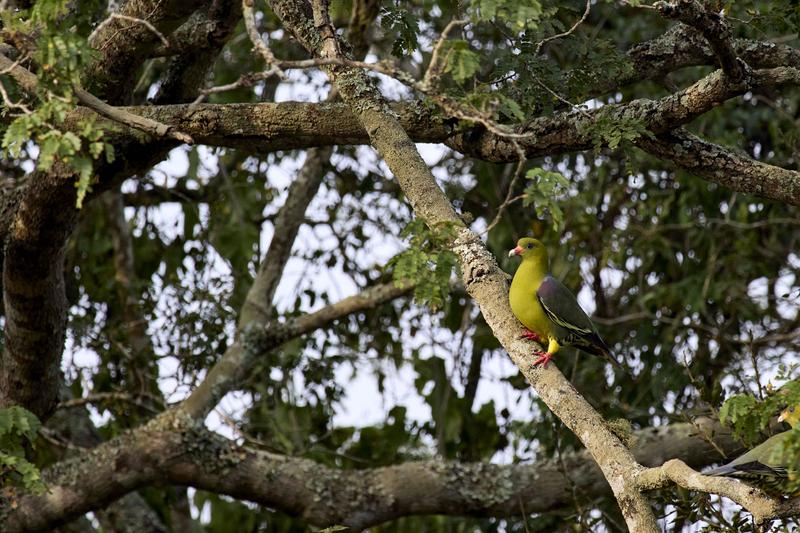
[544, 358]
[531, 336]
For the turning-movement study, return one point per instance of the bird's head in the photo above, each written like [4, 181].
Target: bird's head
[529, 248]
[790, 415]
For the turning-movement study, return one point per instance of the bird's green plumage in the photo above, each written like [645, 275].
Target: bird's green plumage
[526, 282]
[546, 307]
[767, 465]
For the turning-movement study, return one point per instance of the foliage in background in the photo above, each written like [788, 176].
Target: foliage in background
[62, 55]
[686, 280]
[18, 432]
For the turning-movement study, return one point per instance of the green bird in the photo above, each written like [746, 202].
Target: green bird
[548, 310]
[766, 466]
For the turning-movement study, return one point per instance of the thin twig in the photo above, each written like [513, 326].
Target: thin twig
[334, 58]
[560, 98]
[57, 440]
[255, 37]
[117, 16]
[509, 199]
[10, 103]
[566, 33]
[437, 64]
[102, 397]
[147, 125]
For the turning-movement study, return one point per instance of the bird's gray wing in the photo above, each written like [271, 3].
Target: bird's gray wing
[573, 326]
[562, 308]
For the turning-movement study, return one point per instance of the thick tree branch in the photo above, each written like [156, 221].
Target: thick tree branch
[33, 294]
[682, 46]
[171, 453]
[186, 72]
[714, 28]
[725, 167]
[270, 127]
[124, 44]
[291, 125]
[75, 427]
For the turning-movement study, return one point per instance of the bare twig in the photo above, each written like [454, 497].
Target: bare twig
[147, 125]
[104, 397]
[9, 103]
[566, 33]
[509, 199]
[255, 37]
[117, 16]
[57, 440]
[438, 63]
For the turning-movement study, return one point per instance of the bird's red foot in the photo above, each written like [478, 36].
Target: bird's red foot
[531, 336]
[544, 358]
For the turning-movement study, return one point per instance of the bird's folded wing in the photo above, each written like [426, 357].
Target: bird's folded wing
[562, 308]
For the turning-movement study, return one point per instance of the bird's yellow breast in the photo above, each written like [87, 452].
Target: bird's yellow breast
[525, 306]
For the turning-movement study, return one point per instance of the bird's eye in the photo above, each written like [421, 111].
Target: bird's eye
[530, 246]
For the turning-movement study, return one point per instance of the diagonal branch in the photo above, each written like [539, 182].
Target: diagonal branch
[259, 339]
[483, 279]
[257, 305]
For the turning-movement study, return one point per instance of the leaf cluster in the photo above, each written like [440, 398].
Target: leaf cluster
[748, 416]
[59, 56]
[427, 264]
[18, 430]
[544, 192]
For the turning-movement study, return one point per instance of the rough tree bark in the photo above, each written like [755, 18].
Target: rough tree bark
[173, 448]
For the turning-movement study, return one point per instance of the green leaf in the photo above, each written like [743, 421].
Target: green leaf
[520, 14]
[462, 62]
[402, 22]
[18, 428]
[83, 166]
[546, 189]
[427, 263]
[17, 421]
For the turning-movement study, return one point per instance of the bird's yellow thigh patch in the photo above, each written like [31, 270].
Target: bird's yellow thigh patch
[553, 346]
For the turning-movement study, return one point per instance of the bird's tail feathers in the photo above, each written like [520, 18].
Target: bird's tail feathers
[723, 470]
[601, 349]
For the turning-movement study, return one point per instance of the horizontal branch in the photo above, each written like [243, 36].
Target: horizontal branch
[173, 451]
[725, 167]
[675, 471]
[295, 125]
[292, 125]
[567, 132]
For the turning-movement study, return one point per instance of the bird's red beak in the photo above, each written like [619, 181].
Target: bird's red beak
[515, 251]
